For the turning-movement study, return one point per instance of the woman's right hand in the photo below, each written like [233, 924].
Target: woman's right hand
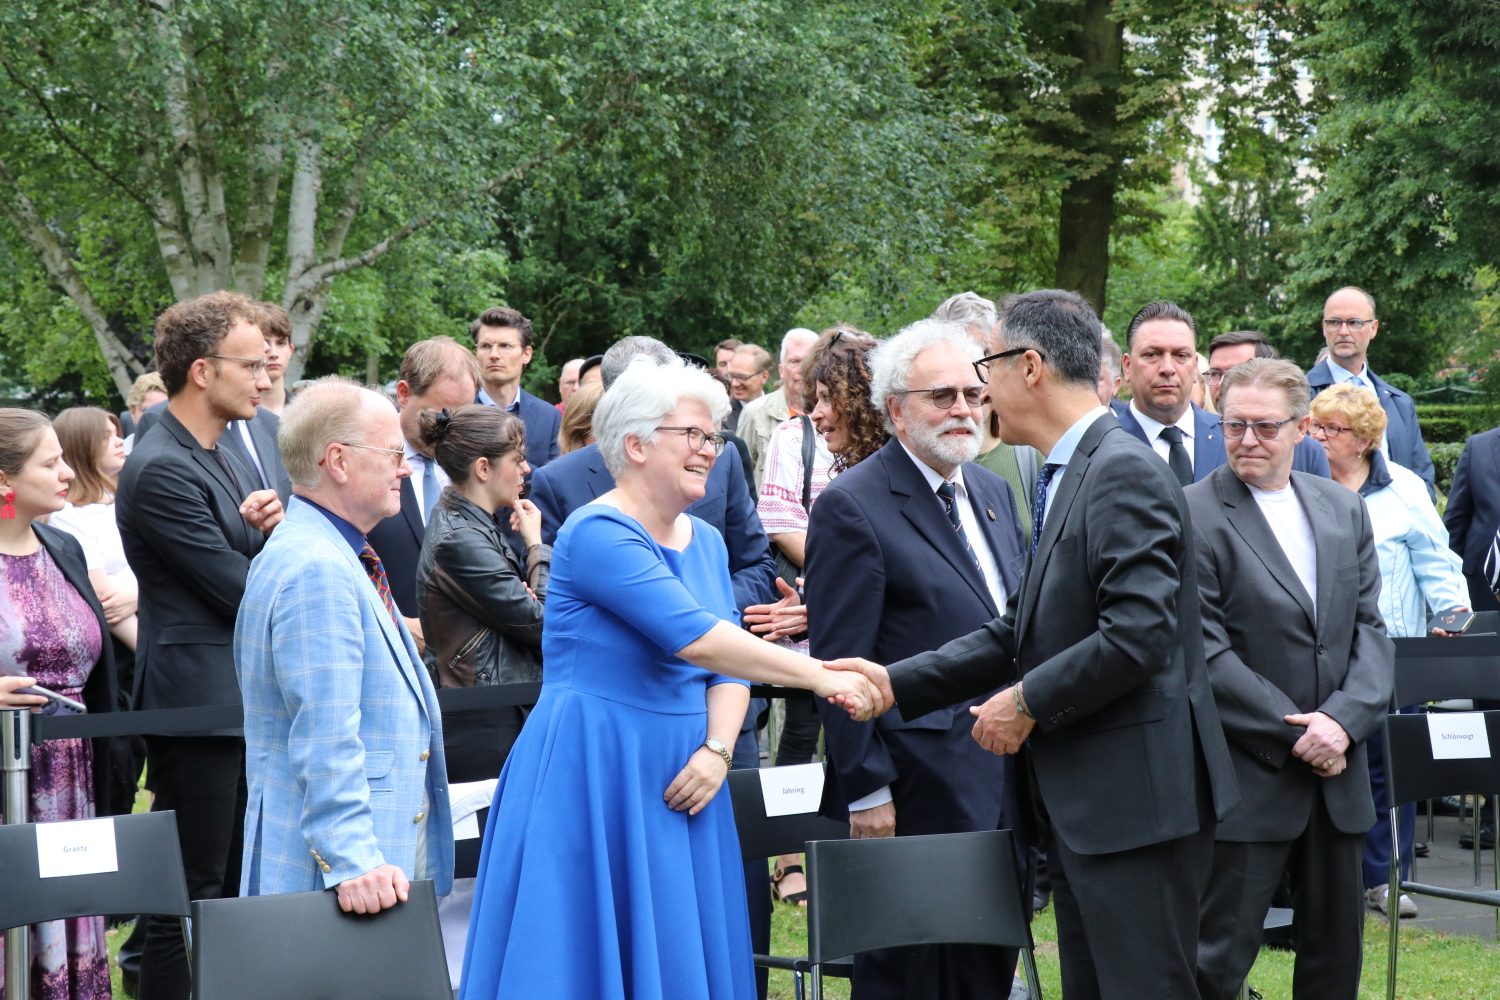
[118, 605]
[527, 520]
[9, 698]
[852, 690]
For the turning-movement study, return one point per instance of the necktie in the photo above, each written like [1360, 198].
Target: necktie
[1356, 380]
[429, 488]
[1039, 502]
[1177, 456]
[376, 572]
[949, 493]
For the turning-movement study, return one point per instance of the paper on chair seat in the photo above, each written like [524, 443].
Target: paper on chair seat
[76, 847]
[1457, 735]
[790, 790]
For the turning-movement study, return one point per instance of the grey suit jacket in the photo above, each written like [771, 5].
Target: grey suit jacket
[1105, 632]
[1267, 658]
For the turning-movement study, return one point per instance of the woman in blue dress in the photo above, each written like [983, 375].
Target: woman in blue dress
[611, 869]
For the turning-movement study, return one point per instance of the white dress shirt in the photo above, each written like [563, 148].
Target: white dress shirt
[1365, 378]
[418, 463]
[1153, 429]
[1288, 521]
[241, 428]
[1062, 452]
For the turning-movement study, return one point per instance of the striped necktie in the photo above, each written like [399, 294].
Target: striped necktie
[949, 493]
[375, 570]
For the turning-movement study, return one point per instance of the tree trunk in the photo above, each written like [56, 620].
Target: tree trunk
[1088, 201]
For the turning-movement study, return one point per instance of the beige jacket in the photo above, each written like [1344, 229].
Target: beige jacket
[757, 420]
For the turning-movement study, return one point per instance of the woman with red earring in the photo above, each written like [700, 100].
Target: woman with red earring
[53, 633]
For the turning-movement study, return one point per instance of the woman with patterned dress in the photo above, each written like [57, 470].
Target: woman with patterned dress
[52, 629]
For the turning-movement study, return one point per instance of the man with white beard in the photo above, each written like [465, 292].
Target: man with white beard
[912, 547]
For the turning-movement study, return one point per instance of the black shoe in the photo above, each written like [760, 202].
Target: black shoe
[1420, 849]
[1039, 901]
[1486, 838]
[130, 983]
[1445, 806]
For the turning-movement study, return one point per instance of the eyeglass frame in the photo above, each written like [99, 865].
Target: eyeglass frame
[1231, 436]
[932, 395]
[257, 365]
[982, 366]
[746, 378]
[719, 440]
[398, 452]
[1331, 431]
[1354, 325]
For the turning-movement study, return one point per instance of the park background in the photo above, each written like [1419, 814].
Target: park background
[701, 169]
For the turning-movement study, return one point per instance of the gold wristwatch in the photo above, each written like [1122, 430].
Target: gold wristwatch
[720, 749]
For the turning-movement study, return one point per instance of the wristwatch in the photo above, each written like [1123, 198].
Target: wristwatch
[721, 750]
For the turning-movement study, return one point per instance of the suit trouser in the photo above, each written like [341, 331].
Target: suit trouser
[1327, 895]
[1127, 921]
[203, 779]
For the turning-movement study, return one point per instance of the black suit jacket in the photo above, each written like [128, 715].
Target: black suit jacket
[263, 432]
[99, 692]
[190, 549]
[887, 577]
[1267, 659]
[1473, 512]
[398, 541]
[1105, 631]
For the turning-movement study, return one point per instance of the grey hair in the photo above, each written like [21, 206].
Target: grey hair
[1270, 373]
[626, 350]
[324, 411]
[1062, 327]
[968, 309]
[796, 334]
[645, 392]
[1113, 356]
[891, 360]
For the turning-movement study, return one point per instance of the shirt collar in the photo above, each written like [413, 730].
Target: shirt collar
[348, 531]
[487, 400]
[1062, 452]
[1153, 427]
[930, 474]
[1341, 374]
[412, 454]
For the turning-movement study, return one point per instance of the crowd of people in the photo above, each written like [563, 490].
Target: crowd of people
[1150, 634]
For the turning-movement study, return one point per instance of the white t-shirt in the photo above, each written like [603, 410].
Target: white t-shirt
[95, 528]
[1283, 511]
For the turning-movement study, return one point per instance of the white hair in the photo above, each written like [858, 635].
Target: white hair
[327, 410]
[796, 335]
[891, 361]
[645, 392]
[968, 309]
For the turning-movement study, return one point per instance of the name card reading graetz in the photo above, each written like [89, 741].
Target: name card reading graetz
[790, 790]
[1457, 735]
[77, 847]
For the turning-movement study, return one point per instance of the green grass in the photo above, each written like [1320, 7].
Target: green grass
[1433, 965]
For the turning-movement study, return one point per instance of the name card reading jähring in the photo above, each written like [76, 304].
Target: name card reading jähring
[77, 847]
[790, 790]
[1457, 735]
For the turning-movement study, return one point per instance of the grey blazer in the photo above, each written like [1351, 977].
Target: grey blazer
[1104, 631]
[1267, 658]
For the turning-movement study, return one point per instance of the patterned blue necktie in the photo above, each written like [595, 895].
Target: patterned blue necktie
[1039, 502]
[949, 494]
[429, 487]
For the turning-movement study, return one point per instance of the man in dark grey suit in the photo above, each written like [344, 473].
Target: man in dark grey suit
[1100, 657]
[1302, 672]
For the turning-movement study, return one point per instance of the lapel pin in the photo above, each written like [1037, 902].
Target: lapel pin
[990, 513]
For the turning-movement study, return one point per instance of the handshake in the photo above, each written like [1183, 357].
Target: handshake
[859, 687]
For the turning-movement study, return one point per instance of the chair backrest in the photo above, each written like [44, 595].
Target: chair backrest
[301, 946]
[1435, 668]
[763, 836]
[954, 888]
[149, 878]
[1411, 773]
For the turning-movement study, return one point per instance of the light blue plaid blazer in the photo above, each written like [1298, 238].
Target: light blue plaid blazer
[342, 728]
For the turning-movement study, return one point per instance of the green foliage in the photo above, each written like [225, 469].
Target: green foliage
[1444, 456]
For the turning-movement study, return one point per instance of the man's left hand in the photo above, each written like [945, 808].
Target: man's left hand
[263, 510]
[1324, 742]
[999, 726]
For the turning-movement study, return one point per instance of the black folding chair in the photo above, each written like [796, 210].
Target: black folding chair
[301, 945]
[861, 897]
[1412, 774]
[763, 837]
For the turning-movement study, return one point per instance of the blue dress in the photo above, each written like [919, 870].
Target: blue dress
[590, 887]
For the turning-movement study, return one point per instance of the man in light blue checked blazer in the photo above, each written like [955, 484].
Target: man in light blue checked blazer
[343, 738]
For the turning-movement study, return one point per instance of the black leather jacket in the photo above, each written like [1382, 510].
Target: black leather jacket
[481, 626]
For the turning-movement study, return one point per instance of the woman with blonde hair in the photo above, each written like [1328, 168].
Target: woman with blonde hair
[577, 430]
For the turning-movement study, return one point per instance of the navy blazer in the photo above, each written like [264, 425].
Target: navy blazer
[398, 542]
[887, 578]
[1403, 433]
[580, 477]
[543, 422]
[1473, 512]
[262, 431]
[1208, 445]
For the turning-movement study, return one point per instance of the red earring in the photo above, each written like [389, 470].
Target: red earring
[8, 512]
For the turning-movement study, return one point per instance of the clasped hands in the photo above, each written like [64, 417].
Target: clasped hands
[859, 687]
[999, 724]
[1323, 745]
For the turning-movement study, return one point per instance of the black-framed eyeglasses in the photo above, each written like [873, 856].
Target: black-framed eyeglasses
[696, 438]
[746, 378]
[982, 366]
[257, 366]
[1266, 430]
[944, 396]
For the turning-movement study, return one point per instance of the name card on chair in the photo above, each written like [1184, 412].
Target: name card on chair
[790, 790]
[1457, 735]
[76, 847]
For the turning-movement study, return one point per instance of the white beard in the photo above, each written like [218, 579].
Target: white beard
[931, 446]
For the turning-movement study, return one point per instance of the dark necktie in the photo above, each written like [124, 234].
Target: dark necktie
[949, 493]
[376, 572]
[1039, 502]
[1177, 456]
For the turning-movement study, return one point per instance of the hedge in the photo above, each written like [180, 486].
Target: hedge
[1444, 458]
[1454, 422]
